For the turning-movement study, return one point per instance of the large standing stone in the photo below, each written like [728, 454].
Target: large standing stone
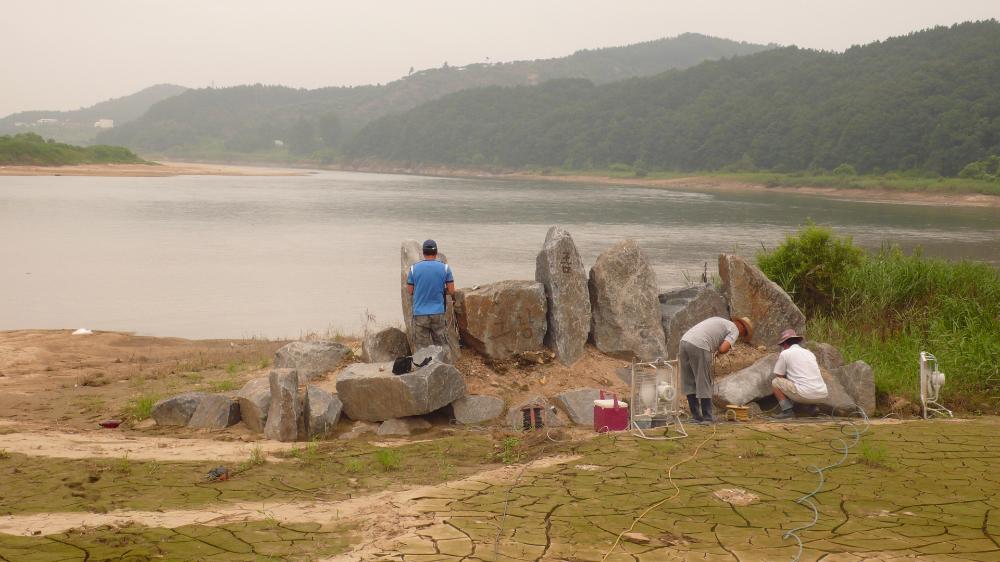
[411, 252]
[324, 411]
[370, 391]
[623, 297]
[579, 404]
[177, 410]
[502, 319]
[311, 359]
[286, 406]
[560, 270]
[215, 411]
[754, 382]
[255, 401]
[750, 293]
[515, 416]
[681, 309]
[858, 379]
[402, 427]
[385, 345]
[477, 408]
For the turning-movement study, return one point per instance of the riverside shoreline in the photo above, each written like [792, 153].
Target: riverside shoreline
[157, 169]
[707, 184]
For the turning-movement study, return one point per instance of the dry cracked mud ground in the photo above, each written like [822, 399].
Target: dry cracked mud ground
[915, 490]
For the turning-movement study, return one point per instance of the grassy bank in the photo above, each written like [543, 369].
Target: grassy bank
[886, 307]
[29, 149]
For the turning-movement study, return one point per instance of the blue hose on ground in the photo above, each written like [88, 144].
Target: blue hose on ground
[852, 432]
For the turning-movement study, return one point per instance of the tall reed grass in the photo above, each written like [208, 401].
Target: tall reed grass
[886, 307]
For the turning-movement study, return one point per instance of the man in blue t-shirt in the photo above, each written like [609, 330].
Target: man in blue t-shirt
[428, 282]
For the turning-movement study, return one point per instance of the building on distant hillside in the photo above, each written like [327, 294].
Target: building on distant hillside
[278, 142]
[105, 124]
[47, 121]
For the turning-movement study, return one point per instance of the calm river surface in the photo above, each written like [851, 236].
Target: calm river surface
[210, 256]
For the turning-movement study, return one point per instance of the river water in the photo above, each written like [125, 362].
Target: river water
[215, 256]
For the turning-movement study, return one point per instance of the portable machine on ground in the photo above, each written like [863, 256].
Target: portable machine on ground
[655, 399]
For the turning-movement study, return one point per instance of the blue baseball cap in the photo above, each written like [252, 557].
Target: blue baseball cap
[430, 247]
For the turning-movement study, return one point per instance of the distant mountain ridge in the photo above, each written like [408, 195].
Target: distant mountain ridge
[251, 118]
[928, 102]
[78, 125]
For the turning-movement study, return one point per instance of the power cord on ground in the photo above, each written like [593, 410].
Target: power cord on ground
[849, 429]
[677, 492]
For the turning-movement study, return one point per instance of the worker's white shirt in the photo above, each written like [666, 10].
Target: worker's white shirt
[800, 367]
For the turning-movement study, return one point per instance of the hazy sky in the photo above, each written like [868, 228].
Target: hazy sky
[64, 54]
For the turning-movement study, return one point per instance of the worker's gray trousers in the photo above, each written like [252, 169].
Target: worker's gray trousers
[430, 330]
[696, 370]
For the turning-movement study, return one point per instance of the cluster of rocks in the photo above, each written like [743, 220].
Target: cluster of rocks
[617, 306]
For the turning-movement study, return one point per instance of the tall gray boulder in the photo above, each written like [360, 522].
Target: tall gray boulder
[681, 309]
[750, 293]
[560, 270]
[384, 345]
[411, 252]
[827, 356]
[311, 359]
[623, 297]
[370, 392]
[502, 319]
[287, 408]
[255, 401]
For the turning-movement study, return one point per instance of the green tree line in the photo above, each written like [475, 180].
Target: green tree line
[29, 149]
[928, 101]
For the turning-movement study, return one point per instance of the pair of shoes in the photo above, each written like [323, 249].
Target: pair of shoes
[695, 410]
[784, 415]
[706, 411]
[813, 411]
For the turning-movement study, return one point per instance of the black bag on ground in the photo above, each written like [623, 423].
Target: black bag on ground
[405, 364]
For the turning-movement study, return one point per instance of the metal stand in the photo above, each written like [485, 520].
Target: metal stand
[655, 393]
[931, 381]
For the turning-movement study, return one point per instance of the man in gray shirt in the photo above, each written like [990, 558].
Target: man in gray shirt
[697, 349]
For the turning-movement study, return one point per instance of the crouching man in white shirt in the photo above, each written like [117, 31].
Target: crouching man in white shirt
[796, 376]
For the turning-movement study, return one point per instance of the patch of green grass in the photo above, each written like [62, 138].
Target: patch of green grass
[886, 307]
[234, 367]
[389, 459]
[353, 465]
[510, 450]
[874, 455]
[141, 407]
[224, 385]
[4, 455]
[122, 465]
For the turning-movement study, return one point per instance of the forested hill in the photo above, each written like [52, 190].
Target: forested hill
[928, 100]
[78, 125]
[250, 118]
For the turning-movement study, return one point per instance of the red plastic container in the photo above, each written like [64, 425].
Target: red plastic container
[610, 417]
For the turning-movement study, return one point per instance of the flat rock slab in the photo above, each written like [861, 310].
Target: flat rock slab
[215, 411]
[681, 309]
[255, 400]
[370, 391]
[477, 408]
[625, 309]
[359, 429]
[750, 293]
[402, 427]
[324, 411]
[384, 345]
[754, 382]
[560, 270]
[503, 319]
[177, 410]
[311, 359]
[579, 404]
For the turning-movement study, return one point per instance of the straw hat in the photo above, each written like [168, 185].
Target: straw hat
[789, 334]
[746, 324]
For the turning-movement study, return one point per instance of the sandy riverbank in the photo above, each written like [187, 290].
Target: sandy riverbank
[164, 169]
[710, 184]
